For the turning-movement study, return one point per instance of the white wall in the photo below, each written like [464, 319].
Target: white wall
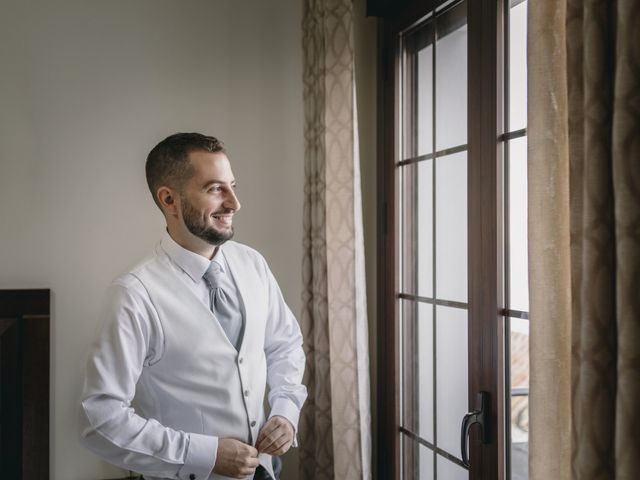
[86, 89]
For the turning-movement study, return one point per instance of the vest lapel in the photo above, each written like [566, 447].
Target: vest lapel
[181, 290]
[240, 269]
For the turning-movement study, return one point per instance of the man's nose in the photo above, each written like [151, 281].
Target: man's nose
[232, 201]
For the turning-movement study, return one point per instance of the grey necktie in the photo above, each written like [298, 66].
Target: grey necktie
[225, 308]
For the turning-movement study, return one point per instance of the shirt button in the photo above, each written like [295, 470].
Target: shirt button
[192, 476]
[246, 393]
[253, 423]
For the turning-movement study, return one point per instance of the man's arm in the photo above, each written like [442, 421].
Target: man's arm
[109, 425]
[285, 367]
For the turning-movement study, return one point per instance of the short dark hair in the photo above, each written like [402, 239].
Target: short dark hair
[168, 162]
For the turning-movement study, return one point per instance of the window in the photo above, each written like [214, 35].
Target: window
[516, 293]
[432, 172]
[454, 304]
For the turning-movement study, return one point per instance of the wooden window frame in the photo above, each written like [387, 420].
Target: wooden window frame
[485, 112]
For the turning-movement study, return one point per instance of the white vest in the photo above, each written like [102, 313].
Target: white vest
[202, 384]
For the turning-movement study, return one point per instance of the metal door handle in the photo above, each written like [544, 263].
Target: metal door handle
[480, 416]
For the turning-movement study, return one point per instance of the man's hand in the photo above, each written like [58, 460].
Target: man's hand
[276, 436]
[235, 459]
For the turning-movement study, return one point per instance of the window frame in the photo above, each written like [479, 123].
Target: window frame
[485, 230]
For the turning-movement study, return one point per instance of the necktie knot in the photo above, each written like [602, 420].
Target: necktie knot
[213, 274]
[222, 302]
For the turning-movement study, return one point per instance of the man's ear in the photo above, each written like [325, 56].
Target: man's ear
[169, 200]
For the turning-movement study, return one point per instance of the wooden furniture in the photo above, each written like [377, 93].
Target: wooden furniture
[24, 384]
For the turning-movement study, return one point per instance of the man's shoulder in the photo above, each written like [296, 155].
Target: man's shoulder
[130, 278]
[142, 264]
[135, 281]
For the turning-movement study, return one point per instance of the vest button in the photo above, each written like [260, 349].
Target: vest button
[240, 360]
[192, 476]
[246, 393]
[253, 423]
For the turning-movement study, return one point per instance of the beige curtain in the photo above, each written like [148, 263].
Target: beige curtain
[584, 238]
[335, 433]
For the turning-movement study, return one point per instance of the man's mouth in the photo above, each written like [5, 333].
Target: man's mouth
[224, 218]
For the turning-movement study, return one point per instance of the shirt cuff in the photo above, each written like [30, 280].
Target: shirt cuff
[201, 457]
[284, 407]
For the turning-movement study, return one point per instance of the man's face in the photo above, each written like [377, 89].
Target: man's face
[208, 201]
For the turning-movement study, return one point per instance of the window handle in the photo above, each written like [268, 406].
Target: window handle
[481, 416]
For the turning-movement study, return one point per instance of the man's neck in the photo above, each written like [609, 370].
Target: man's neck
[192, 243]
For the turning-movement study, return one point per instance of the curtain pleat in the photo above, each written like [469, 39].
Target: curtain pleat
[549, 262]
[584, 154]
[626, 185]
[593, 234]
[335, 435]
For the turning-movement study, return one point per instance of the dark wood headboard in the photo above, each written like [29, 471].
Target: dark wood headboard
[24, 384]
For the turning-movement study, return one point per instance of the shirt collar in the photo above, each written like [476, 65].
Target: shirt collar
[193, 264]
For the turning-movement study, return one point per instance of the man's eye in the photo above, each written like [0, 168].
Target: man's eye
[215, 189]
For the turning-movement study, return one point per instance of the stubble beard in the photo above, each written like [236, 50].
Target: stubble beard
[198, 226]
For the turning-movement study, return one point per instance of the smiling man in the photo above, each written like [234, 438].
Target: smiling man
[192, 335]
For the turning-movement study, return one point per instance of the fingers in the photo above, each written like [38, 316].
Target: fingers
[276, 440]
[271, 441]
[249, 462]
[266, 430]
[235, 459]
[269, 432]
[251, 451]
[272, 425]
[279, 447]
[276, 436]
[248, 468]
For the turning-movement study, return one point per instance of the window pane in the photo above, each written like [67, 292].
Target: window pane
[451, 376]
[518, 260]
[518, 292]
[426, 463]
[417, 460]
[425, 100]
[417, 138]
[451, 227]
[519, 398]
[416, 217]
[417, 368]
[447, 470]
[425, 362]
[518, 66]
[407, 215]
[425, 228]
[451, 78]
[409, 365]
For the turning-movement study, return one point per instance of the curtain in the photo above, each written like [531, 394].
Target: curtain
[334, 432]
[584, 238]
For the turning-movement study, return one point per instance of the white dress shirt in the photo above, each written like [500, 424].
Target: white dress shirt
[132, 339]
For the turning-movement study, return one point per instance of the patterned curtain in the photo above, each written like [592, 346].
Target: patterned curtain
[584, 250]
[334, 433]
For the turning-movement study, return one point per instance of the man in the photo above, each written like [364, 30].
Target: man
[192, 334]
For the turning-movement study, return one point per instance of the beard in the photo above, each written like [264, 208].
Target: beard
[198, 226]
